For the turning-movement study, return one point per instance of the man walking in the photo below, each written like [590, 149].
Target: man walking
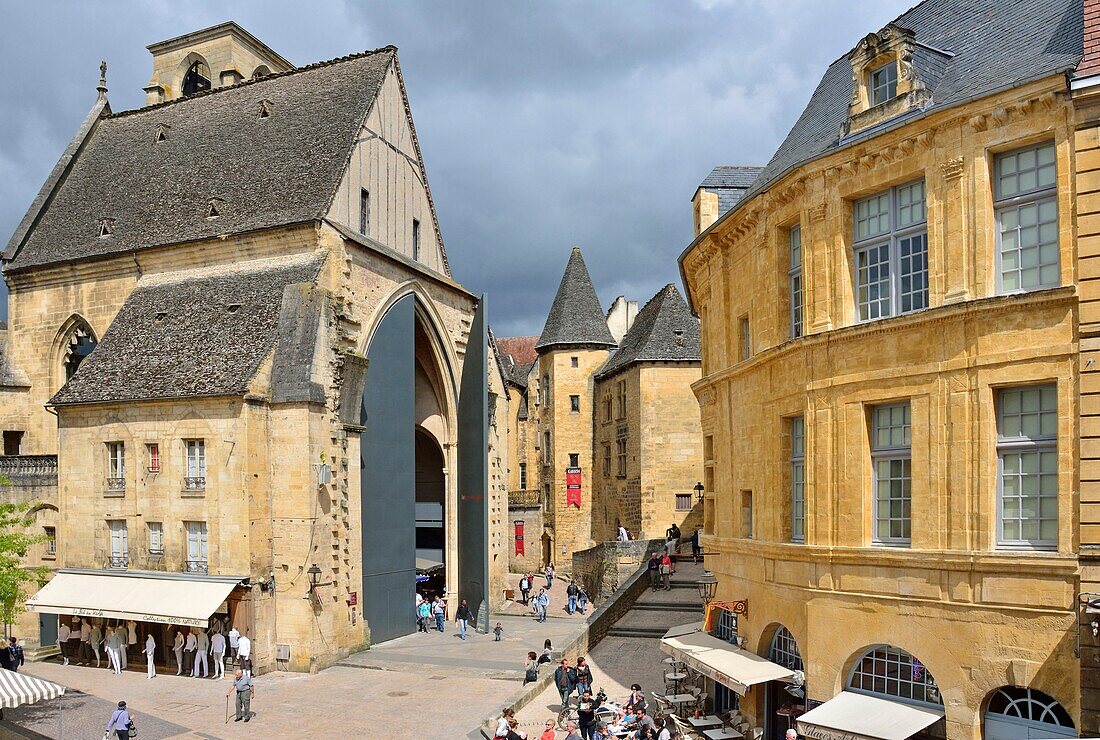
[572, 592]
[524, 588]
[438, 611]
[653, 568]
[550, 575]
[234, 636]
[16, 651]
[150, 655]
[177, 648]
[583, 599]
[63, 642]
[244, 652]
[242, 684]
[462, 618]
[217, 649]
[565, 680]
[202, 647]
[542, 603]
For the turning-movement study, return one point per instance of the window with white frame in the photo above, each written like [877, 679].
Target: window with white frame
[884, 83]
[116, 466]
[195, 464]
[1025, 190]
[889, 671]
[196, 547]
[152, 454]
[156, 537]
[794, 239]
[1027, 452]
[891, 252]
[51, 541]
[891, 460]
[798, 479]
[120, 548]
[784, 650]
[726, 626]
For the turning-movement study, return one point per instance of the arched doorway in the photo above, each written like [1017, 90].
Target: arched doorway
[783, 701]
[1013, 713]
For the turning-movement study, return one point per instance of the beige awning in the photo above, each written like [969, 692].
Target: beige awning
[720, 661]
[852, 716]
[142, 597]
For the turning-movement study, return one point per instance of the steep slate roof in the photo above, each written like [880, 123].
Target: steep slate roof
[522, 349]
[729, 183]
[576, 316]
[993, 45]
[202, 332]
[664, 331]
[271, 171]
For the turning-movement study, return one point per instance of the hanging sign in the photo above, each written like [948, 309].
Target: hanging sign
[519, 538]
[573, 487]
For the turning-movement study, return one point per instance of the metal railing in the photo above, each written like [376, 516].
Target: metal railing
[118, 561]
[116, 484]
[529, 497]
[194, 484]
[195, 566]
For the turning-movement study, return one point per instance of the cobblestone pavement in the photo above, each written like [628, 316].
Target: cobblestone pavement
[443, 686]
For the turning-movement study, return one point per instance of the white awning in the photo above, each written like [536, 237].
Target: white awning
[141, 597]
[17, 689]
[720, 661]
[852, 716]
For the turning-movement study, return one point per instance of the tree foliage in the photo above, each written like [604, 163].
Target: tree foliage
[15, 542]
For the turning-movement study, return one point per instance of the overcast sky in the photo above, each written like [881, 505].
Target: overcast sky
[543, 124]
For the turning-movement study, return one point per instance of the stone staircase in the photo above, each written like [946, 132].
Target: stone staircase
[656, 611]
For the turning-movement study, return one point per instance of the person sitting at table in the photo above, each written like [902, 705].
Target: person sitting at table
[636, 700]
[644, 724]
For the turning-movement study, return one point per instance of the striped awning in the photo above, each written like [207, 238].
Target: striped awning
[17, 689]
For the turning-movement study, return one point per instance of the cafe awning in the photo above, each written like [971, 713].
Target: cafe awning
[852, 716]
[164, 598]
[720, 661]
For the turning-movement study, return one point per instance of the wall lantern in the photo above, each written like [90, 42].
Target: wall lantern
[707, 585]
[314, 574]
[699, 491]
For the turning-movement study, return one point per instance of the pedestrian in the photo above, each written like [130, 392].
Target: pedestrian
[63, 642]
[234, 636]
[542, 604]
[189, 653]
[548, 733]
[666, 570]
[653, 568]
[571, 731]
[96, 641]
[217, 649]
[572, 592]
[424, 616]
[5, 660]
[531, 668]
[621, 534]
[438, 611]
[462, 618]
[549, 575]
[565, 680]
[244, 652]
[547, 652]
[583, 603]
[242, 684]
[695, 548]
[497, 632]
[177, 648]
[150, 655]
[120, 722]
[663, 732]
[114, 661]
[524, 588]
[16, 650]
[586, 711]
[202, 647]
[85, 642]
[584, 676]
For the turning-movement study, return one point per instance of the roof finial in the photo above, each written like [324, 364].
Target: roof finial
[102, 88]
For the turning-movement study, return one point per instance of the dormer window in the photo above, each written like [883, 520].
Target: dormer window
[265, 108]
[162, 133]
[106, 227]
[884, 83]
[197, 78]
[216, 208]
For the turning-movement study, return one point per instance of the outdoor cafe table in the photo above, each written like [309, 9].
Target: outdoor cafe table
[704, 722]
[680, 698]
[722, 734]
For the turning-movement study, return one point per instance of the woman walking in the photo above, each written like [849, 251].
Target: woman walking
[549, 575]
[462, 618]
[119, 723]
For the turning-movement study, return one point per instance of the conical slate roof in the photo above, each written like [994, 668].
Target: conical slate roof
[664, 331]
[575, 316]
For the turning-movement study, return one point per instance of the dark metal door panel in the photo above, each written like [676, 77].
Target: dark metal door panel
[473, 454]
[388, 476]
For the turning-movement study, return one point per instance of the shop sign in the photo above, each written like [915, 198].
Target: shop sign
[573, 487]
[353, 598]
[826, 733]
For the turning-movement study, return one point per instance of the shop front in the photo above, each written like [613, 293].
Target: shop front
[142, 604]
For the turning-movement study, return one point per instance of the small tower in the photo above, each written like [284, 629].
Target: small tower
[221, 55]
[575, 343]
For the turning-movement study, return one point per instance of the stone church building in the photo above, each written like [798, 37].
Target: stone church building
[235, 334]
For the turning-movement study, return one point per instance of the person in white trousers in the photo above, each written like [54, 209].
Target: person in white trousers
[202, 646]
[150, 653]
[113, 648]
[217, 649]
[177, 648]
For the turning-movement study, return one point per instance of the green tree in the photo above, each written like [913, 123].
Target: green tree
[14, 544]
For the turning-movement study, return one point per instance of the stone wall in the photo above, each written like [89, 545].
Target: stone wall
[604, 567]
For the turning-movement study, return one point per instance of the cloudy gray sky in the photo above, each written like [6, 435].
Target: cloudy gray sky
[543, 124]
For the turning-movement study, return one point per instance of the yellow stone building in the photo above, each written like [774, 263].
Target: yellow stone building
[890, 387]
[234, 328]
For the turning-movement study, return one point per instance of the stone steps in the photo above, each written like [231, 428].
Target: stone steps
[669, 606]
[649, 632]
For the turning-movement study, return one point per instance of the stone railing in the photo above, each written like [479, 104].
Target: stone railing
[528, 497]
[29, 470]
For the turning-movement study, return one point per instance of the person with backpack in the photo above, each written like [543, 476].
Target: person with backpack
[572, 592]
[120, 723]
[531, 668]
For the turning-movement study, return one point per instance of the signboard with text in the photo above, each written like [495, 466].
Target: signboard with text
[573, 487]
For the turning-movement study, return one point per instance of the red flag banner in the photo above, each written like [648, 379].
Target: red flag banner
[573, 487]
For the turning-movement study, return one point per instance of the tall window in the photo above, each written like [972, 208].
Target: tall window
[607, 408]
[784, 650]
[546, 390]
[152, 455]
[1027, 451]
[547, 458]
[622, 398]
[890, 671]
[891, 458]
[798, 479]
[744, 338]
[197, 78]
[575, 404]
[574, 460]
[156, 538]
[607, 460]
[80, 345]
[364, 211]
[523, 476]
[50, 534]
[195, 464]
[884, 83]
[116, 466]
[795, 280]
[13, 441]
[891, 258]
[416, 239]
[1027, 219]
[120, 549]
[620, 457]
[196, 547]
[746, 514]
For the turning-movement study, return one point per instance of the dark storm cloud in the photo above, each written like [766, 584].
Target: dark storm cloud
[542, 124]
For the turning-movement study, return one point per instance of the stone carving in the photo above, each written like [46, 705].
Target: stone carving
[952, 169]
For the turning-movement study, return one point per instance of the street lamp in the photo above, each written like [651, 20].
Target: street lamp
[314, 574]
[699, 491]
[707, 585]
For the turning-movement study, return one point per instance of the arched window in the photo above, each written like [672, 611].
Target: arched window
[891, 672]
[784, 650]
[1028, 705]
[197, 78]
[79, 345]
[261, 71]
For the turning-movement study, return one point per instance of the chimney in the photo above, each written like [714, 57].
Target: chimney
[620, 317]
[1090, 62]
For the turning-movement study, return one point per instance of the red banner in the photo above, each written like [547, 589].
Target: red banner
[573, 487]
[519, 538]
